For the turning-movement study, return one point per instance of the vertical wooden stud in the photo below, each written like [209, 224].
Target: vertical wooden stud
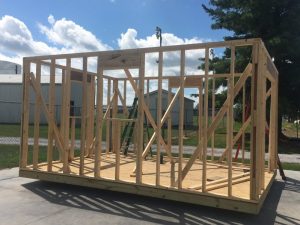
[276, 119]
[140, 122]
[169, 120]
[213, 99]
[63, 104]
[109, 115]
[83, 116]
[37, 114]
[99, 120]
[262, 114]
[125, 95]
[66, 117]
[51, 100]
[73, 123]
[272, 130]
[114, 112]
[172, 173]
[200, 119]
[181, 118]
[230, 121]
[117, 126]
[25, 114]
[148, 91]
[90, 114]
[158, 117]
[205, 122]
[243, 119]
[63, 115]
[254, 170]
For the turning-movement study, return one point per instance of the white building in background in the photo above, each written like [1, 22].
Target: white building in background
[11, 95]
[9, 68]
[188, 107]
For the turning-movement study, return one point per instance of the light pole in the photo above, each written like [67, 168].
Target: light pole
[158, 35]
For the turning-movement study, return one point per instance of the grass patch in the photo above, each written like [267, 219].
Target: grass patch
[10, 130]
[291, 166]
[9, 157]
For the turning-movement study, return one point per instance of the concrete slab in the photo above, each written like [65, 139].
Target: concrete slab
[26, 201]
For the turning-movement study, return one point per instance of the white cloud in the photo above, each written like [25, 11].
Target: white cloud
[16, 39]
[11, 26]
[65, 36]
[67, 33]
[171, 59]
[129, 40]
[51, 19]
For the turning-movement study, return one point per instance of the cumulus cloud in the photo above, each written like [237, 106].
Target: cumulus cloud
[16, 39]
[51, 19]
[67, 33]
[65, 36]
[129, 40]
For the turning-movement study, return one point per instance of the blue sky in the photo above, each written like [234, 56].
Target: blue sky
[102, 21]
[32, 27]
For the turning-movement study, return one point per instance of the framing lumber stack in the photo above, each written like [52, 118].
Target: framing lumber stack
[199, 179]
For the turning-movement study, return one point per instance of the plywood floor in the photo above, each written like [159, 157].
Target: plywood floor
[215, 171]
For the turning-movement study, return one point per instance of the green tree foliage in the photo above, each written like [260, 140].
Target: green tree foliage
[277, 22]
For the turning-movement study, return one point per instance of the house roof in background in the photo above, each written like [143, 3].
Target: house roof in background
[9, 67]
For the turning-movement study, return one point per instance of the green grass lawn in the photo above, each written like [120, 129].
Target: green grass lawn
[13, 130]
[9, 157]
[191, 136]
[9, 154]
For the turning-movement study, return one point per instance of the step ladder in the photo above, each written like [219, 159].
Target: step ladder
[127, 134]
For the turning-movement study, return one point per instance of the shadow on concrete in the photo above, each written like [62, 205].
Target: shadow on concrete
[156, 210]
[292, 185]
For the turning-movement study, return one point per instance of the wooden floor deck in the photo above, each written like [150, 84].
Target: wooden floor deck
[216, 174]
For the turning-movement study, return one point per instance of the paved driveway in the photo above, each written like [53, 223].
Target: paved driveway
[26, 201]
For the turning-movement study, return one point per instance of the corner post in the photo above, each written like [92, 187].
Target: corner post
[25, 114]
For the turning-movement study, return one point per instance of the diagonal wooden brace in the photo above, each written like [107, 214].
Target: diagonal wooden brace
[164, 118]
[237, 137]
[57, 135]
[217, 119]
[148, 114]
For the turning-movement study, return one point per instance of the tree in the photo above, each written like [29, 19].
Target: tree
[277, 22]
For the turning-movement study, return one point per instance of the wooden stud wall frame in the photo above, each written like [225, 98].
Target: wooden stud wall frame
[200, 178]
